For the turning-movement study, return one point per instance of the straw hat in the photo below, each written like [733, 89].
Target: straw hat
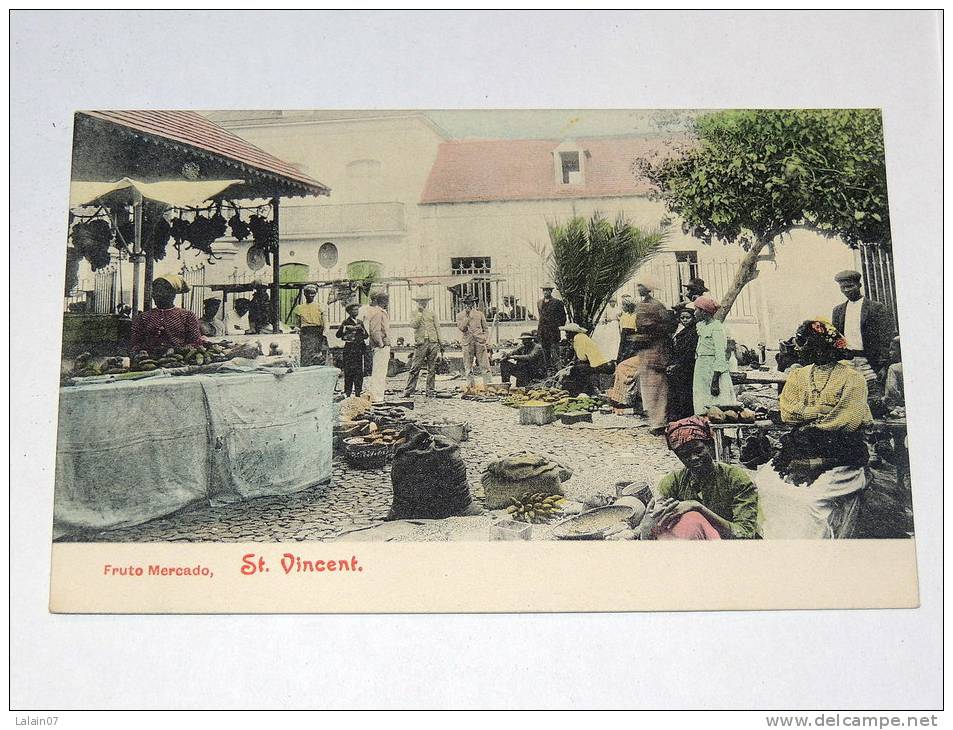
[573, 327]
[648, 281]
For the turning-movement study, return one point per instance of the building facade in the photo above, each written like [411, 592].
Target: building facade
[406, 195]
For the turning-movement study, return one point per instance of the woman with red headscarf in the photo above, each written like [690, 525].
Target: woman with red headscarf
[707, 500]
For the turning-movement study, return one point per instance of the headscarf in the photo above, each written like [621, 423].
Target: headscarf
[706, 304]
[693, 428]
[311, 288]
[820, 333]
[179, 285]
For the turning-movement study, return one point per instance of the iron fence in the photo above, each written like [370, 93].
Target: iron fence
[879, 283]
[512, 291]
[195, 277]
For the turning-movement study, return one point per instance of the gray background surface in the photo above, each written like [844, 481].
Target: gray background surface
[86, 60]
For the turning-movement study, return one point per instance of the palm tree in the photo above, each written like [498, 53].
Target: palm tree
[591, 259]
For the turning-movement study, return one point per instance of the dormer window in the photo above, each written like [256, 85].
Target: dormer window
[569, 161]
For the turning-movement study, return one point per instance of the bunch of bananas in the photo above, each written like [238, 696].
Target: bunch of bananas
[538, 507]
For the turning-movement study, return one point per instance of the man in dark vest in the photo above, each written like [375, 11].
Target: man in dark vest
[552, 316]
[867, 326]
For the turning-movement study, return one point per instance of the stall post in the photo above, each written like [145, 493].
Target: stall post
[136, 248]
[275, 267]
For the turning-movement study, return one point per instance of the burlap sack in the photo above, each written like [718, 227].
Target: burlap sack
[519, 473]
[429, 478]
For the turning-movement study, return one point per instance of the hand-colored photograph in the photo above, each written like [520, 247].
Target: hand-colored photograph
[533, 325]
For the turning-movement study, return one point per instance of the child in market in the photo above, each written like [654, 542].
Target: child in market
[354, 335]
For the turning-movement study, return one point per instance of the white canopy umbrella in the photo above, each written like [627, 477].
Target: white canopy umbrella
[175, 193]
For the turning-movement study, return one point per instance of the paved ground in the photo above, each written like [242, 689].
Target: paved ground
[613, 449]
[357, 498]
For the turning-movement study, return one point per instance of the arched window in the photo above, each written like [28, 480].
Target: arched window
[364, 169]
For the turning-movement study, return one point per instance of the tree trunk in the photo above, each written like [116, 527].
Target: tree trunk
[747, 271]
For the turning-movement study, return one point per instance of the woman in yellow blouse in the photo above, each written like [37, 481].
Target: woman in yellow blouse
[309, 318]
[811, 487]
[589, 361]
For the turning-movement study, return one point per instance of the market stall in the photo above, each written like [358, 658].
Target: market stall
[148, 426]
[132, 451]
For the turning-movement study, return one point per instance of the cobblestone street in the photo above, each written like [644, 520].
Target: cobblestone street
[615, 448]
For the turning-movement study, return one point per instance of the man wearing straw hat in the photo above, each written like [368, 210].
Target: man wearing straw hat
[428, 348]
[472, 323]
[654, 324]
[308, 317]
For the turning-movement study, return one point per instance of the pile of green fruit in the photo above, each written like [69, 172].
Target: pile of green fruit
[539, 507]
[580, 404]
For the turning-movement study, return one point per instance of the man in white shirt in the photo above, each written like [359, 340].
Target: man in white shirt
[378, 330]
[866, 325]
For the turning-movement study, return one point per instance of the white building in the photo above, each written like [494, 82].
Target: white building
[406, 195]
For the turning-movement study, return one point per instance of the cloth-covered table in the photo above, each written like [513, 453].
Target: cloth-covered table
[129, 452]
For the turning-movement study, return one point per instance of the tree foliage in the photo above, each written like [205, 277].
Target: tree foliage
[592, 258]
[754, 175]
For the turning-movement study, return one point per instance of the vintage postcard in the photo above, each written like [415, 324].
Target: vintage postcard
[434, 360]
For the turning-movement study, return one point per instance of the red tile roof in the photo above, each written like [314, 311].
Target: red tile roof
[523, 169]
[189, 129]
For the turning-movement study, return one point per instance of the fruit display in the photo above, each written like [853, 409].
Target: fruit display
[182, 359]
[730, 415]
[560, 399]
[387, 416]
[538, 507]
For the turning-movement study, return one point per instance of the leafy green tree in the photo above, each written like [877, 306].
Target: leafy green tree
[591, 258]
[753, 175]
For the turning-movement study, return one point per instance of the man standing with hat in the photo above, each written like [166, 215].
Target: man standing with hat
[866, 325]
[526, 363]
[552, 316]
[354, 335]
[428, 349]
[309, 319]
[472, 323]
[378, 332]
[654, 325]
[694, 289]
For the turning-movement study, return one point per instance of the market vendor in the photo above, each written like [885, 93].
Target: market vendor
[527, 363]
[588, 362]
[308, 317]
[209, 324]
[166, 325]
[707, 500]
[811, 487]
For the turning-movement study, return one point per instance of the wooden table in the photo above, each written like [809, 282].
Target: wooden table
[896, 427]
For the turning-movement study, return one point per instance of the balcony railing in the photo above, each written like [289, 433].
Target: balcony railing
[343, 219]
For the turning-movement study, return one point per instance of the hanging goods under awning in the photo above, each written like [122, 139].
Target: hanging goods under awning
[174, 193]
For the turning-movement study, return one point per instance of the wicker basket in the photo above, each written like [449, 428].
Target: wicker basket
[366, 456]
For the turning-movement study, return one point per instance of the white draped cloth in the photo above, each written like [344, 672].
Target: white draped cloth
[826, 508]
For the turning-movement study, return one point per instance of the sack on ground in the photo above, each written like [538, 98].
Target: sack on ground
[514, 475]
[429, 478]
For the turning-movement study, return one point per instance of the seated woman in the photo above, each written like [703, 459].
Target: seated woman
[166, 325]
[707, 500]
[810, 488]
[209, 323]
[588, 362]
